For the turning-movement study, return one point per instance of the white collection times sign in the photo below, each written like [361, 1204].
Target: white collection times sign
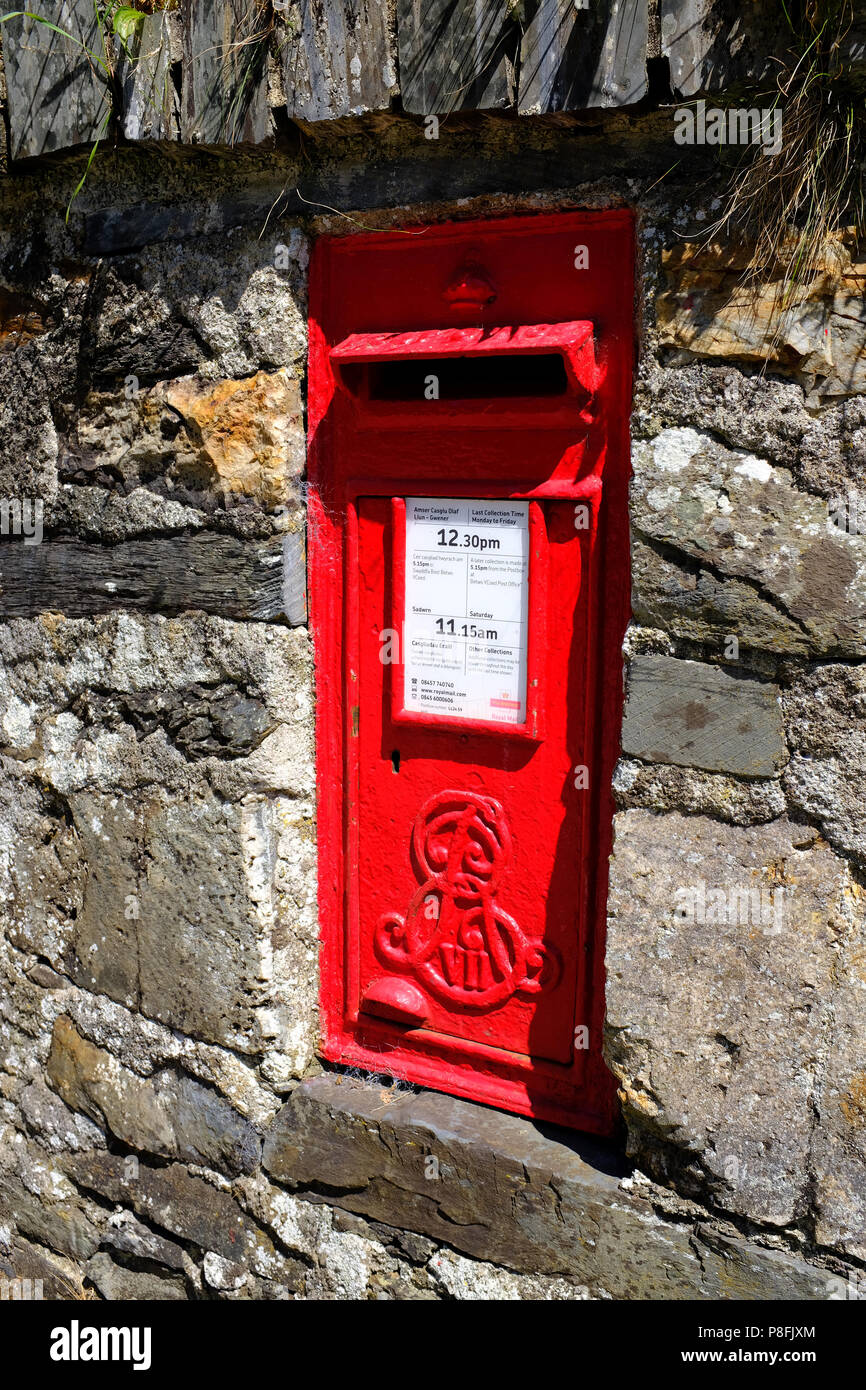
[467, 594]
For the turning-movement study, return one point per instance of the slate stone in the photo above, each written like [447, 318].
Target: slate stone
[117, 1282]
[62, 1225]
[176, 1201]
[115, 231]
[295, 578]
[337, 58]
[503, 1189]
[171, 1114]
[711, 44]
[680, 596]
[225, 48]
[456, 55]
[694, 715]
[60, 1279]
[129, 1236]
[854, 53]
[167, 1197]
[55, 96]
[573, 58]
[151, 107]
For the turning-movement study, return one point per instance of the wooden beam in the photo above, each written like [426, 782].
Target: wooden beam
[170, 574]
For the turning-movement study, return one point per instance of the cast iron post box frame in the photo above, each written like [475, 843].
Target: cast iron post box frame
[461, 292]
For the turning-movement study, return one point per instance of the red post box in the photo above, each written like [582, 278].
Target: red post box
[469, 394]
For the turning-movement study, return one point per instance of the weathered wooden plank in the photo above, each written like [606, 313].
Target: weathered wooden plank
[693, 715]
[56, 95]
[713, 43]
[572, 58]
[456, 54]
[225, 48]
[151, 109]
[212, 573]
[338, 58]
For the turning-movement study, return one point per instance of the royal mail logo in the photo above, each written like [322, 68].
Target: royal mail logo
[455, 937]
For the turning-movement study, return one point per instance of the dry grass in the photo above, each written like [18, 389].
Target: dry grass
[793, 207]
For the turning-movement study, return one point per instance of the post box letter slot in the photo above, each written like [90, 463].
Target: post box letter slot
[470, 364]
[460, 378]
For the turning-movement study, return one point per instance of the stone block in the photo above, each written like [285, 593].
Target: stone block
[225, 51]
[456, 55]
[754, 542]
[29, 385]
[826, 778]
[41, 875]
[221, 298]
[693, 715]
[713, 44]
[210, 573]
[59, 1225]
[665, 787]
[498, 1188]
[721, 302]
[61, 1278]
[723, 958]
[119, 1282]
[193, 1211]
[838, 1152]
[171, 1115]
[151, 109]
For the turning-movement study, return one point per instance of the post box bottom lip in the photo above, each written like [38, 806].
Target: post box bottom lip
[484, 1087]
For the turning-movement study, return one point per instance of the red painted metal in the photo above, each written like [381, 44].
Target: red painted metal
[463, 862]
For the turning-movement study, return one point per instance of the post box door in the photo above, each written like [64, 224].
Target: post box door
[471, 837]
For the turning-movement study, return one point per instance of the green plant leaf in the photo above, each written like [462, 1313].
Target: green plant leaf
[127, 23]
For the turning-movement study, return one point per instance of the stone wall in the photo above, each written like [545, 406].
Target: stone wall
[166, 1130]
[733, 1008]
